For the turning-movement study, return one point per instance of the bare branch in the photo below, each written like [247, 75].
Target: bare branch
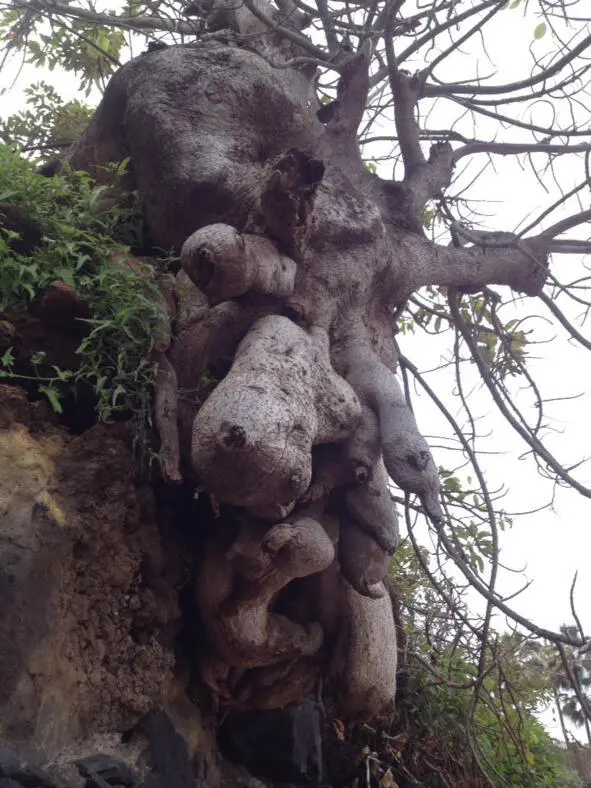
[567, 224]
[141, 23]
[514, 148]
[287, 33]
[456, 89]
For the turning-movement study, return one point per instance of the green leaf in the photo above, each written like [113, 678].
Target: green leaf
[38, 358]
[66, 275]
[540, 31]
[7, 359]
[63, 374]
[123, 167]
[452, 484]
[53, 397]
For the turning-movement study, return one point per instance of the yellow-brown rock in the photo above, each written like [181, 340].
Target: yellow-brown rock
[86, 620]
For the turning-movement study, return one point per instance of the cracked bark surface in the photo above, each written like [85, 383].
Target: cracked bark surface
[294, 259]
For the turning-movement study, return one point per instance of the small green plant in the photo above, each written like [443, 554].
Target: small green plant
[51, 385]
[85, 247]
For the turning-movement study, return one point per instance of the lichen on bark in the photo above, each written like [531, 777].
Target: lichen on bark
[294, 260]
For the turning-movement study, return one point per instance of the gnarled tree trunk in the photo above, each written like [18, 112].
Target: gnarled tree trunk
[295, 259]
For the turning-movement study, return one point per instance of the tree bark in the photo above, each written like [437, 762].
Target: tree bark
[294, 259]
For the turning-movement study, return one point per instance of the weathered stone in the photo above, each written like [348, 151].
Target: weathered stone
[30, 777]
[84, 608]
[112, 771]
[28, 231]
[9, 762]
[7, 782]
[62, 307]
[7, 335]
[167, 753]
[32, 548]
[14, 406]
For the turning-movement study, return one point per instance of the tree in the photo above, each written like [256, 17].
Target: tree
[249, 144]
[572, 680]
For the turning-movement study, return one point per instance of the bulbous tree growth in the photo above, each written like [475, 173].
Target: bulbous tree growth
[295, 259]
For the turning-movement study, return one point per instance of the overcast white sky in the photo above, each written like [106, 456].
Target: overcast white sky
[549, 546]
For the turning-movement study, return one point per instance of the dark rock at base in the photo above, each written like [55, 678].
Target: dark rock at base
[104, 770]
[153, 781]
[30, 777]
[157, 781]
[96, 781]
[168, 754]
[13, 774]
[9, 762]
[284, 745]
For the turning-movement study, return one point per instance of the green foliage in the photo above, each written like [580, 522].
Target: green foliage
[502, 347]
[50, 124]
[405, 573]
[457, 721]
[83, 247]
[455, 724]
[87, 49]
[509, 741]
[431, 215]
[467, 728]
[579, 666]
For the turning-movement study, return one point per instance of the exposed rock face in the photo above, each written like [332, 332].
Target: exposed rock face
[86, 621]
[153, 754]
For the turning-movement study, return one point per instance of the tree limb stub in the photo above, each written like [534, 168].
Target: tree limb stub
[225, 264]
[372, 507]
[363, 669]
[500, 258]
